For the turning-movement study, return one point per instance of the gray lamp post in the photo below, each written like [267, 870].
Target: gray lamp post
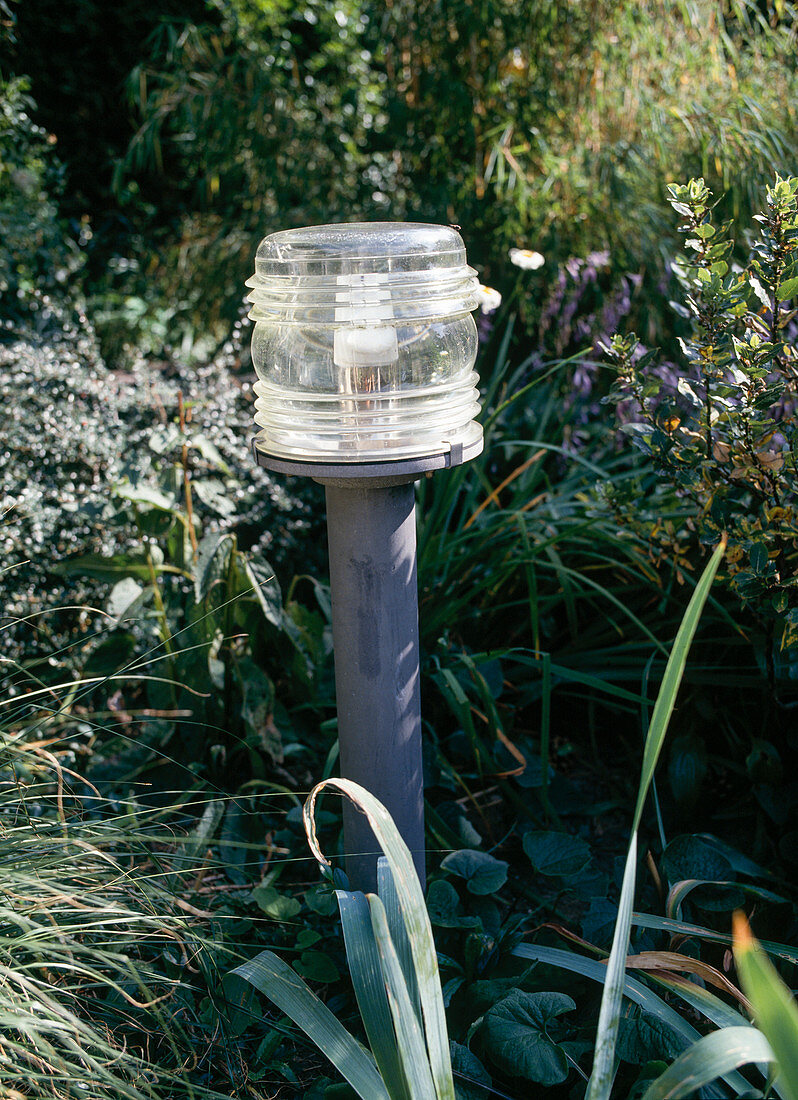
[364, 347]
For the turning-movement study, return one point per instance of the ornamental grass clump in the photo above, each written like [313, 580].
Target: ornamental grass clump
[394, 968]
[723, 446]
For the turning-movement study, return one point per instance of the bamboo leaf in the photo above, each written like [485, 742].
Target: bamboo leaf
[277, 981]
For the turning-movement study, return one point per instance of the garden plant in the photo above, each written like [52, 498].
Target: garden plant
[620, 561]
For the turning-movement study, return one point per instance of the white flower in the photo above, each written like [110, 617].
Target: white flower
[489, 299]
[526, 259]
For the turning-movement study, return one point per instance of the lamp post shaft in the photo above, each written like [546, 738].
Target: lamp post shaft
[371, 535]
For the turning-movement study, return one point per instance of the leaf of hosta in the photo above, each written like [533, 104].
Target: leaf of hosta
[514, 1033]
[556, 854]
[483, 873]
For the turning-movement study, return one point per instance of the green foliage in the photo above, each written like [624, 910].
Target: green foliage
[95, 999]
[521, 1033]
[530, 124]
[209, 618]
[725, 442]
[774, 1007]
[394, 970]
[264, 109]
[34, 253]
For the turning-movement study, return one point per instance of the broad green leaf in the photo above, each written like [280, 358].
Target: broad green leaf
[127, 598]
[277, 981]
[468, 1068]
[257, 708]
[263, 584]
[558, 855]
[643, 1038]
[514, 1033]
[317, 966]
[634, 990]
[370, 992]
[145, 494]
[483, 873]
[414, 913]
[274, 904]
[214, 494]
[443, 904]
[213, 560]
[727, 894]
[712, 1056]
[775, 1010]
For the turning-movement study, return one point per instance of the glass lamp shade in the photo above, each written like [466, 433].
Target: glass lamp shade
[364, 344]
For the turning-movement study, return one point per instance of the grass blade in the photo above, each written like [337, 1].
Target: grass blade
[414, 913]
[386, 888]
[710, 1057]
[372, 1000]
[277, 981]
[682, 928]
[666, 698]
[600, 1084]
[775, 1009]
[410, 1044]
[601, 1078]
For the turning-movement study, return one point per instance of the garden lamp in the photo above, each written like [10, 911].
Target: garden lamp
[364, 348]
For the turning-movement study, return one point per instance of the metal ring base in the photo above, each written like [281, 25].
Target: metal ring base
[391, 472]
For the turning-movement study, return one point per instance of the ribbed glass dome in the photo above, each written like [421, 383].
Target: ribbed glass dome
[364, 343]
